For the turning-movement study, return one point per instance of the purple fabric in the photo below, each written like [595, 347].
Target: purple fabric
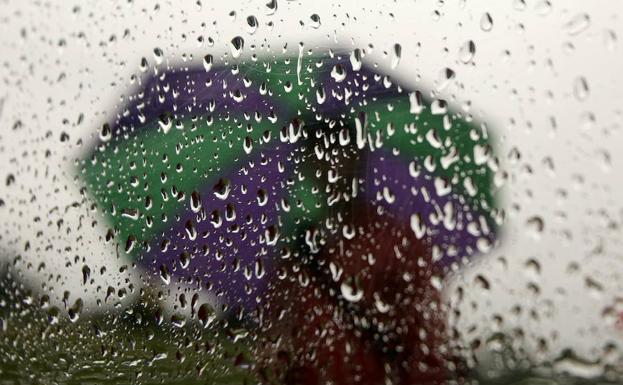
[384, 170]
[185, 93]
[232, 284]
[355, 82]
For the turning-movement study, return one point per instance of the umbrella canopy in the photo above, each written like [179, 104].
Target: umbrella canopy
[217, 176]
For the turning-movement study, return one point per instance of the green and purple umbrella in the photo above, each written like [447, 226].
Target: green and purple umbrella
[216, 176]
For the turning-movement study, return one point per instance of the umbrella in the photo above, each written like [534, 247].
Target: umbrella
[313, 179]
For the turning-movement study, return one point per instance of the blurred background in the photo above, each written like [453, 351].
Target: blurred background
[542, 303]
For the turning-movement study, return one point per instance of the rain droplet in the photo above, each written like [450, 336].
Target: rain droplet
[208, 60]
[381, 306]
[355, 59]
[446, 76]
[178, 320]
[338, 73]
[45, 301]
[252, 23]
[165, 122]
[230, 212]
[190, 230]
[53, 315]
[543, 7]
[348, 231]
[486, 22]
[272, 7]
[416, 102]
[315, 21]
[262, 197]
[75, 310]
[216, 219]
[222, 188]
[610, 39]
[361, 125]
[206, 315]
[248, 145]
[164, 274]
[535, 225]
[86, 274]
[130, 243]
[580, 88]
[519, 5]
[533, 268]
[351, 290]
[439, 107]
[144, 66]
[184, 259]
[442, 186]
[158, 55]
[237, 45]
[482, 282]
[417, 225]
[397, 54]
[195, 202]
[272, 234]
[320, 95]
[467, 51]
[577, 24]
[105, 133]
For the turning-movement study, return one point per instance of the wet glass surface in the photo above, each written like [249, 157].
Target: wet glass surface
[310, 193]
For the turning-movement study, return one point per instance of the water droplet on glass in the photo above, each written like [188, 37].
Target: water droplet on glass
[252, 24]
[178, 320]
[416, 102]
[236, 46]
[262, 197]
[164, 274]
[351, 290]
[535, 225]
[543, 7]
[397, 54]
[271, 7]
[577, 24]
[439, 107]
[195, 202]
[315, 21]
[206, 315]
[144, 66]
[418, 226]
[486, 22]
[208, 60]
[105, 133]
[338, 73]
[610, 39]
[248, 144]
[320, 95]
[446, 76]
[355, 59]
[184, 260]
[158, 55]
[86, 274]
[190, 230]
[165, 122]
[130, 243]
[482, 282]
[222, 189]
[580, 88]
[467, 51]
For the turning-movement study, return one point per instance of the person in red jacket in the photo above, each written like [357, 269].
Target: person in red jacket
[369, 312]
